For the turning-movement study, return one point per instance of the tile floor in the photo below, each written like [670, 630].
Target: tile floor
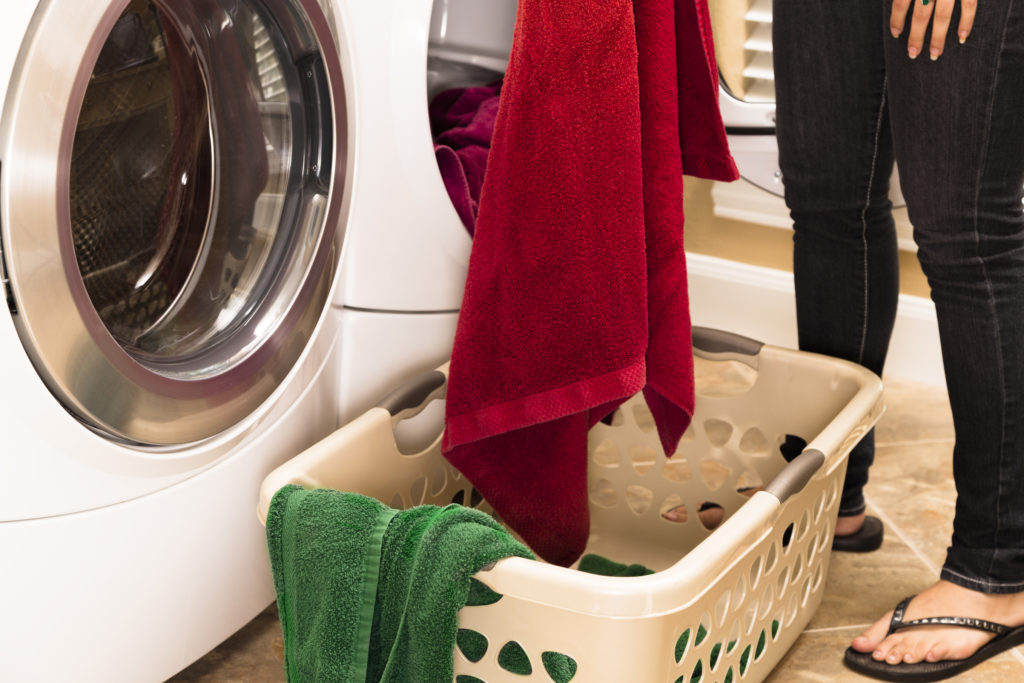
[911, 490]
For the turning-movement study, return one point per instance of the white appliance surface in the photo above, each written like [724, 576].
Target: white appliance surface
[136, 560]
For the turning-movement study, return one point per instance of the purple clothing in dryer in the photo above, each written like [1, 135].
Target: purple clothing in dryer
[462, 121]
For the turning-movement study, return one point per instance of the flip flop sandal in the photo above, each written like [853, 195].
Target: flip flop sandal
[922, 672]
[864, 540]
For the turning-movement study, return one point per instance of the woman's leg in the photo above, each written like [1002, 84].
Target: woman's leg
[959, 139]
[835, 151]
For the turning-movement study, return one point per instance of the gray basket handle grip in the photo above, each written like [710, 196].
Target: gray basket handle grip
[409, 399]
[720, 345]
[796, 474]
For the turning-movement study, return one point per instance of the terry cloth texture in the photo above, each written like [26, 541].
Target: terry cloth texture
[462, 123]
[368, 593]
[576, 295]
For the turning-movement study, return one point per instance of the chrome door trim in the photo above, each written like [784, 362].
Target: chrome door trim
[81, 364]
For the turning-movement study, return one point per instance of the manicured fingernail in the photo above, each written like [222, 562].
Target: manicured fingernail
[896, 32]
[933, 53]
[963, 37]
[913, 52]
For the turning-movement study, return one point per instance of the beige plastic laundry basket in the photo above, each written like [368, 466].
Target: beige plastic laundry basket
[723, 604]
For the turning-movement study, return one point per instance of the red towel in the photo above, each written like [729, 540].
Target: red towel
[576, 292]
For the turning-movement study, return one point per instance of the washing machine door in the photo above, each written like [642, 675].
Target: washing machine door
[170, 178]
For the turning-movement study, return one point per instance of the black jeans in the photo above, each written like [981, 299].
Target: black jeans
[849, 102]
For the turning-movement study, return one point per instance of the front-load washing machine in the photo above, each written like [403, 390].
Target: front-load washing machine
[174, 181]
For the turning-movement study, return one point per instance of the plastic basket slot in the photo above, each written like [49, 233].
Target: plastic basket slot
[643, 459]
[677, 470]
[643, 418]
[714, 474]
[639, 499]
[753, 442]
[606, 454]
[717, 432]
[603, 494]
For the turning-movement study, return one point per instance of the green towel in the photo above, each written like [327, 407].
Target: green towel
[367, 593]
[597, 564]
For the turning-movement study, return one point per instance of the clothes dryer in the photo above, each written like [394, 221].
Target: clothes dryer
[174, 182]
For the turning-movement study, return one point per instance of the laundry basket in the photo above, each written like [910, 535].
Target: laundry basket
[725, 603]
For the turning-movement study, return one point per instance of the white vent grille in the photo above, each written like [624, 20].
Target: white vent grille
[269, 66]
[743, 40]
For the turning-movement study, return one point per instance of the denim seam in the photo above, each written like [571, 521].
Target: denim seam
[864, 219]
[978, 582]
[988, 285]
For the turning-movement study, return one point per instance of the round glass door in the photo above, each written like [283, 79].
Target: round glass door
[197, 214]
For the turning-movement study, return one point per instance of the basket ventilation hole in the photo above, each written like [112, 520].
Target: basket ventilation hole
[734, 637]
[773, 556]
[673, 509]
[480, 594]
[775, 629]
[459, 498]
[749, 482]
[728, 675]
[805, 526]
[767, 602]
[741, 592]
[805, 592]
[702, 630]
[513, 659]
[561, 668]
[711, 515]
[745, 660]
[783, 580]
[722, 607]
[819, 574]
[688, 435]
[643, 417]
[475, 498]
[603, 494]
[792, 609]
[762, 640]
[698, 672]
[716, 651]
[677, 470]
[755, 572]
[468, 679]
[606, 454]
[418, 491]
[639, 499]
[787, 536]
[643, 458]
[798, 568]
[438, 479]
[755, 443]
[681, 679]
[792, 446]
[397, 503]
[714, 474]
[717, 432]
[819, 507]
[615, 419]
[472, 644]
[750, 618]
[681, 644]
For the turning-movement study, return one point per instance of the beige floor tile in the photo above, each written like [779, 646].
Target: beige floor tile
[861, 587]
[253, 655]
[914, 412]
[818, 658]
[911, 487]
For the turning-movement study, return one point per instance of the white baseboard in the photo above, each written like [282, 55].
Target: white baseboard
[759, 303]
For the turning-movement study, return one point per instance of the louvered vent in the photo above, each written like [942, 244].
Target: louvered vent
[268, 65]
[743, 45]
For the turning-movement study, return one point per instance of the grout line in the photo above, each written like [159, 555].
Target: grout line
[887, 521]
[829, 629]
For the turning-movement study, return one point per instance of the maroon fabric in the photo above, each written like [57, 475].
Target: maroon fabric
[462, 121]
[576, 292]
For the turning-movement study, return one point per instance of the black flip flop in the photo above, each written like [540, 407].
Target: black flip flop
[923, 672]
[867, 538]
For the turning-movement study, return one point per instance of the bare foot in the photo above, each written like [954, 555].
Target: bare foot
[846, 526]
[936, 643]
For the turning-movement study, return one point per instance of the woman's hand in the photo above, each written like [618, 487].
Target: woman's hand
[938, 12]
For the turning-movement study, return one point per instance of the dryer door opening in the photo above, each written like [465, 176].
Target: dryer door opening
[169, 261]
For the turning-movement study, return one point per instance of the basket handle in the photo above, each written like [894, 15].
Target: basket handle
[412, 397]
[717, 344]
[794, 476]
